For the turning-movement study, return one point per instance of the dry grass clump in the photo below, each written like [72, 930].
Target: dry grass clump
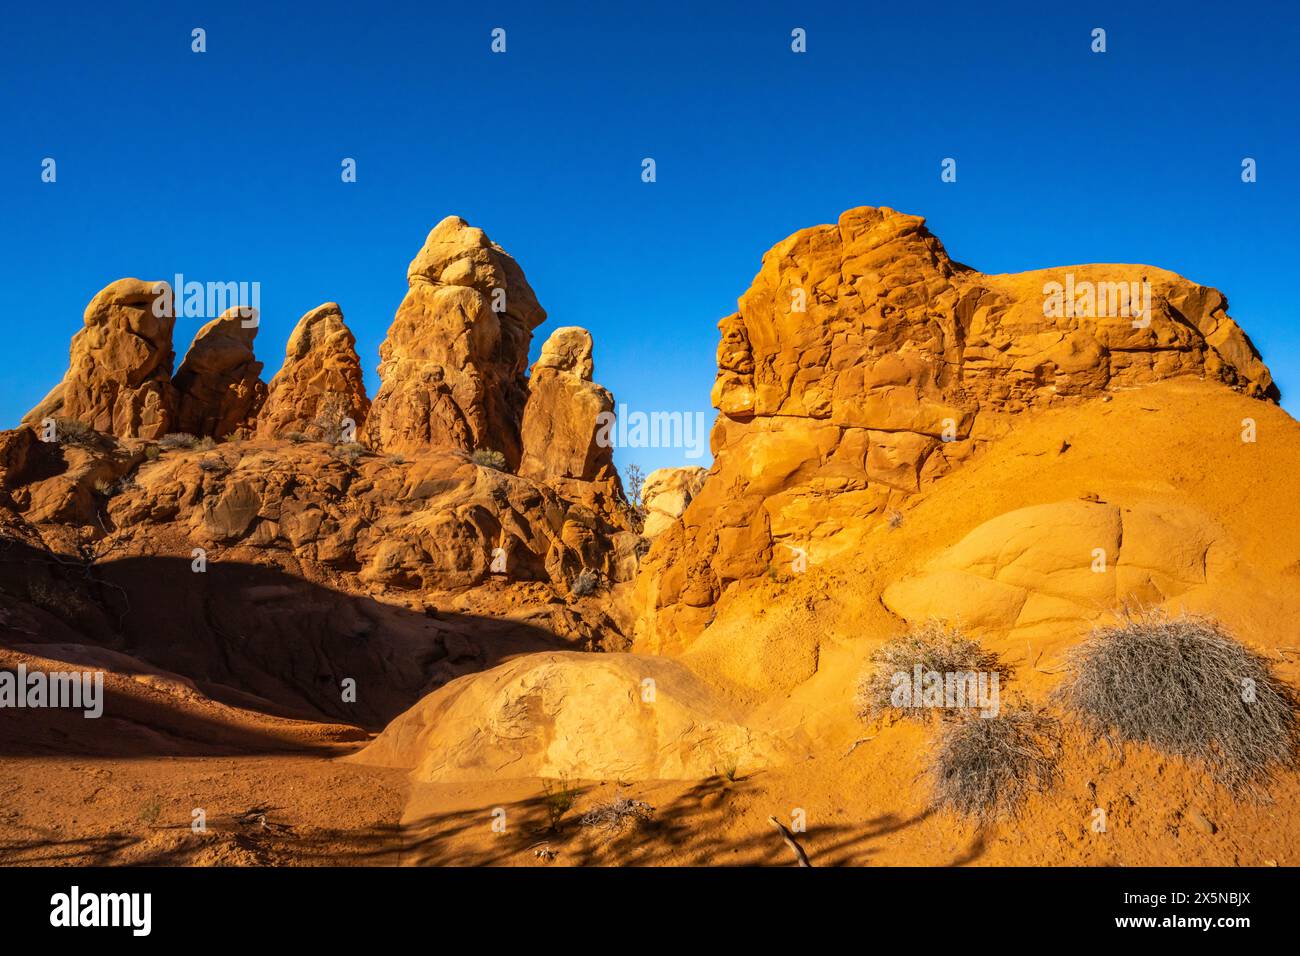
[936, 646]
[350, 452]
[617, 813]
[74, 432]
[176, 440]
[489, 458]
[986, 767]
[1184, 686]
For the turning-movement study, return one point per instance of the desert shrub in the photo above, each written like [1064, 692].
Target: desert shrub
[558, 796]
[152, 452]
[206, 443]
[1184, 686]
[894, 519]
[105, 487]
[73, 432]
[395, 460]
[617, 813]
[585, 583]
[177, 440]
[935, 646]
[985, 767]
[296, 437]
[214, 466]
[349, 452]
[150, 811]
[489, 459]
[331, 414]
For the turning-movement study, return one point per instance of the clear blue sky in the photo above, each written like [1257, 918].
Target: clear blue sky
[225, 165]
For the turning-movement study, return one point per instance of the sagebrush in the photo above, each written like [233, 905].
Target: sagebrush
[986, 767]
[935, 646]
[1183, 685]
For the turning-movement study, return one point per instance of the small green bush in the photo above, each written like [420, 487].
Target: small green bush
[489, 459]
[558, 796]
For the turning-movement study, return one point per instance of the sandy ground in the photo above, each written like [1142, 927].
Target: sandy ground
[314, 810]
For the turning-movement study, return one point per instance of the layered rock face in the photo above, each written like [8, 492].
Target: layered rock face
[218, 386]
[452, 367]
[320, 383]
[561, 425]
[120, 364]
[863, 364]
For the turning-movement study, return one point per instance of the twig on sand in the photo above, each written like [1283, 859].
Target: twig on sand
[790, 841]
[860, 740]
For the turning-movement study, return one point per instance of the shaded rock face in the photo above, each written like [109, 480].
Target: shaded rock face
[562, 421]
[218, 389]
[120, 364]
[863, 364]
[452, 366]
[435, 522]
[665, 495]
[320, 383]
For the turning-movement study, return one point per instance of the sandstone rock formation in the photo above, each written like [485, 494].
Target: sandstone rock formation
[579, 716]
[1027, 571]
[218, 388]
[665, 495]
[320, 383]
[120, 364]
[562, 420]
[863, 364]
[452, 366]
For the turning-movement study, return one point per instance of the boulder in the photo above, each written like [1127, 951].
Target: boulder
[570, 715]
[665, 494]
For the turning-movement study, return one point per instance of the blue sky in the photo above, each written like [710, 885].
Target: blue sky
[225, 165]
